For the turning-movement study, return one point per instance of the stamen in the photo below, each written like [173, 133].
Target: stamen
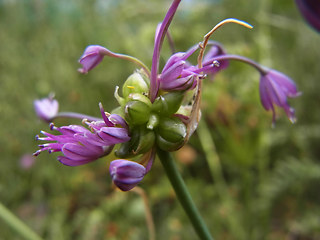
[44, 145]
[216, 63]
[52, 127]
[130, 87]
[85, 121]
[36, 153]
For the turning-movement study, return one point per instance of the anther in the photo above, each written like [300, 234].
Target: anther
[36, 153]
[216, 63]
[52, 127]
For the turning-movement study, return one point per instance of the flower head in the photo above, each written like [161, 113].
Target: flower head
[275, 87]
[46, 108]
[126, 174]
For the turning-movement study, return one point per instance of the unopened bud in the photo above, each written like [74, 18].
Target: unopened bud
[168, 103]
[126, 174]
[145, 141]
[135, 83]
[137, 112]
[142, 140]
[171, 133]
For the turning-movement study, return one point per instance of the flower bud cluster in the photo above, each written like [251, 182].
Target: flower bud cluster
[150, 123]
[152, 113]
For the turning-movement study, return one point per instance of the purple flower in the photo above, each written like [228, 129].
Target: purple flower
[275, 87]
[210, 67]
[91, 57]
[310, 10]
[46, 108]
[177, 73]
[126, 174]
[160, 34]
[80, 145]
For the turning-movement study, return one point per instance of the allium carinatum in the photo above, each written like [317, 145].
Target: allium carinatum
[80, 145]
[275, 88]
[154, 110]
[46, 108]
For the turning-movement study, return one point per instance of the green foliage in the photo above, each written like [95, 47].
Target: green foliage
[264, 182]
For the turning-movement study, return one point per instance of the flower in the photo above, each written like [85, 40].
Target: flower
[46, 108]
[126, 174]
[159, 37]
[80, 145]
[177, 74]
[310, 10]
[209, 59]
[154, 112]
[91, 57]
[275, 87]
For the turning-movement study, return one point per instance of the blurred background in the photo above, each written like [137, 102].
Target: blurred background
[249, 180]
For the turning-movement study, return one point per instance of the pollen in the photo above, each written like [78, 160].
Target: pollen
[130, 87]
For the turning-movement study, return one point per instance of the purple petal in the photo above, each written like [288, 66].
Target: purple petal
[69, 162]
[154, 85]
[126, 174]
[287, 85]
[114, 135]
[91, 57]
[265, 100]
[275, 88]
[117, 119]
[46, 108]
[310, 10]
[78, 152]
[177, 57]
[173, 72]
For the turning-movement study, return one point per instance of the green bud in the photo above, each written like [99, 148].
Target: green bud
[125, 150]
[140, 97]
[153, 121]
[135, 83]
[137, 112]
[168, 103]
[142, 140]
[171, 133]
[145, 142]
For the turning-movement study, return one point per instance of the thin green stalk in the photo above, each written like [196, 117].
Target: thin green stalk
[221, 186]
[183, 195]
[19, 226]
[211, 155]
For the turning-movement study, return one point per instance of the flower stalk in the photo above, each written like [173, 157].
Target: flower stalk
[183, 195]
[19, 226]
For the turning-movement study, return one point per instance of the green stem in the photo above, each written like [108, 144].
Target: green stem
[17, 224]
[183, 195]
[221, 186]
